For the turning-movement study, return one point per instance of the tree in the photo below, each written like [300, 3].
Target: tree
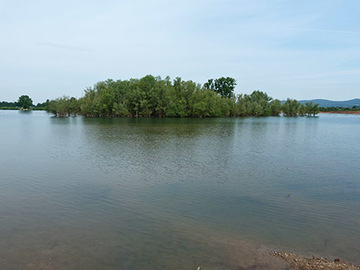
[275, 107]
[25, 102]
[302, 110]
[291, 107]
[210, 84]
[223, 86]
[155, 97]
[311, 108]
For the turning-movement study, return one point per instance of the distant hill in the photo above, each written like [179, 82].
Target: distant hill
[330, 103]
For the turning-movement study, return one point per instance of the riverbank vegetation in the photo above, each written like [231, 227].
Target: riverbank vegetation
[24, 103]
[155, 97]
[340, 109]
[292, 107]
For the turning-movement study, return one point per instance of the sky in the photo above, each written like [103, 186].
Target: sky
[302, 49]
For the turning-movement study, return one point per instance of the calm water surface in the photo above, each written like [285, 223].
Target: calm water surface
[79, 193]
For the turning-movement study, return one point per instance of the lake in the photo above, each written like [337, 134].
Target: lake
[127, 193]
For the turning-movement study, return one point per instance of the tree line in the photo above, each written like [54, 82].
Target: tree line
[24, 102]
[292, 107]
[156, 97]
[339, 109]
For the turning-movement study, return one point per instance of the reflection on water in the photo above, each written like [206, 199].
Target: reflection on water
[83, 193]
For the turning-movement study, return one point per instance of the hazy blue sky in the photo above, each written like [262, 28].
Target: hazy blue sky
[299, 49]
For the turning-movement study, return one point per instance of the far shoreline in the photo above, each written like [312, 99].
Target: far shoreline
[342, 112]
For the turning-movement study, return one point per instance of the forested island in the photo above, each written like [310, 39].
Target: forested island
[156, 97]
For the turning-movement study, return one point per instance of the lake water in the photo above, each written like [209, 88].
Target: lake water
[82, 193]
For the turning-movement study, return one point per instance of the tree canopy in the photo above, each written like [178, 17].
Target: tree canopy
[223, 86]
[156, 97]
[291, 107]
[25, 102]
[311, 108]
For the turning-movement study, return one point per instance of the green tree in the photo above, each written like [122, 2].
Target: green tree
[223, 86]
[275, 107]
[291, 107]
[302, 110]
[155, 97]
[257, 103]
[43, 105]
[311, 108]
[25, 102]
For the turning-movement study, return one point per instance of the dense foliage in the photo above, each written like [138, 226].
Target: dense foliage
[292, 107]
[311, 108]
[338, 109]
[4, 105]
[42, 106]
[223, 86]
[155, 97]
[25, 102]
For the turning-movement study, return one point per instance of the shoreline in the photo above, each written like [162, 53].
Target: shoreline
[343, 112]
[315, 263]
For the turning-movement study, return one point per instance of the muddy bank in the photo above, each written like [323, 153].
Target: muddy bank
[261, 259]
[247, 256]
[314, 263]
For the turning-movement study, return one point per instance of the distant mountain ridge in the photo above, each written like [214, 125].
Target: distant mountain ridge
[330, 103]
